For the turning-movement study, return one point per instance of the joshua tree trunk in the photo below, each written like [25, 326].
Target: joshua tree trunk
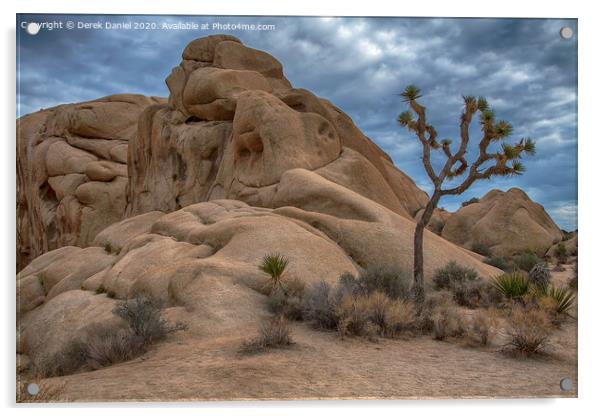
[418, 286]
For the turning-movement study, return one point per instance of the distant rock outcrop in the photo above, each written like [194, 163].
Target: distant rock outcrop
[505, 222]
[72, 171]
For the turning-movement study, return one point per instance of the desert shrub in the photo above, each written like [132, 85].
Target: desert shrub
[71, 359]
[447, 323]
[525, 261]
[143, 316]
[423, 321]
[109, 346]
[394, 282]
[561, 253]
[452, 273]
[470, 201]
[512, 285]
[353, 315]
[274, 264]
[319, 305]
[481, 249]
[483, 325]
[274, 333]
[528, 330]
[499, 262]
[470, 293]
[100, 289]
[539, 275]
[288, 301]
[399, 317]
[390, 316]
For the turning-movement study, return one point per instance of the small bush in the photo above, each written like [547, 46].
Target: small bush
[109, 347]
[470, 201]
[319, 306]
[447, 323]
[391, 316]
[452, 273]
[470, 293]
[483, 325]
[392, 281]
[354, 317]
[512, 285]
[100, 289]
[288, 301]
[70, 360]
[143, 315]
[526, 261]
[481, 249]
[499, 262]
[528, 330]
[539, 275]
[274, 333]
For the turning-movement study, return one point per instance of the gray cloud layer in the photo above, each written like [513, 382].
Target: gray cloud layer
[525, 69]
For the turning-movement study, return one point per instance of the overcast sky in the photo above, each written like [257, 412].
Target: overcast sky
[525, 69]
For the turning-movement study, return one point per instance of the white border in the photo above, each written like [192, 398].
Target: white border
[590, 202]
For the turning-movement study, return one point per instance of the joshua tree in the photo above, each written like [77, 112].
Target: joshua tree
[504, 162]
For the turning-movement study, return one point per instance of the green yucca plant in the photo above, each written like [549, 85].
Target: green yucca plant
[512, 285]
[274, 264]
[564, 298]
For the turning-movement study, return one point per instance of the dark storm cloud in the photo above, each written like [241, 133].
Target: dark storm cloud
[522, 66]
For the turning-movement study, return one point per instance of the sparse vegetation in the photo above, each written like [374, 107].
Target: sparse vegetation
[320, 306]
[109, 345]
[528, 330]
[481, 249]
[143, 316]
[394, 282]
[470, 201]
[483, 325]
[452, 273]
[512, 285]
[100, 289]
[273, 333]
[289, 301]
[573, 283]
[499, 262]
[447, 323]
[525, 261]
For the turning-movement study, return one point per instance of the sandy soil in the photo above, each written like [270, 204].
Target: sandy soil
[321, 365]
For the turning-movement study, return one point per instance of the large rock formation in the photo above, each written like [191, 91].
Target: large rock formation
[505, 222]
[72, 172]
[233, 126]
